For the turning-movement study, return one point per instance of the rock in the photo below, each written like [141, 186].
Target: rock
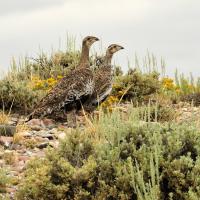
[196, 109]
[15, 146]
[36, 128]
[6, 141]
[54, 144]
[40, 154]
[38, 124]
[48, 123]
[23, 158]
[2, 163]
[27, 134]
[10, 190]
[46, 135]
[61, 135]
[34, 122]
[14, 119]
[19, 166]
[53, 131]
[21, 151]
[7, 130]
[43, 145]
[49, 136]
[29, 153]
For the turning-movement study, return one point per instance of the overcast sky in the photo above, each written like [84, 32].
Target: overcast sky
[170, 29]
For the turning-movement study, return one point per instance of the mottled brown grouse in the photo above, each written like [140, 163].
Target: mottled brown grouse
[72, 90]
[103, 78]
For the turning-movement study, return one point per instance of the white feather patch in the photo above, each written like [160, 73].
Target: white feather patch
[103, 96]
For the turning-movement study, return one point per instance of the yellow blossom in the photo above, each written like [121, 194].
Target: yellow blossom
[50, 80]
[168, 83]
[59, 77]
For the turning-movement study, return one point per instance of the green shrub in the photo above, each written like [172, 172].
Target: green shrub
[4, 180]
[135, 86]
[157, 113]
[59, 63]
[124, 158]
[18, 95]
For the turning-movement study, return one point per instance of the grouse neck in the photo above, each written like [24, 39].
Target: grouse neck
[108, 59]
[84, 61]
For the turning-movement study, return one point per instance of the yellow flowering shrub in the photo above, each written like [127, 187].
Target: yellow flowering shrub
[184, 87]
[46, 84]
[168, 83]
[110, 101]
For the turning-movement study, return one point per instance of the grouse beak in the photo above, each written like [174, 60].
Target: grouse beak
[119, 48]
[96, 39]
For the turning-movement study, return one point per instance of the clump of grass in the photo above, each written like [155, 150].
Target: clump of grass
[4, 118]
[29, 143]
[9, 157]
[18, 138]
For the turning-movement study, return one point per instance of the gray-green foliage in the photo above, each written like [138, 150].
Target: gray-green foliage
[137, 85]
[124, 159]
[4, 180]
[18, 95]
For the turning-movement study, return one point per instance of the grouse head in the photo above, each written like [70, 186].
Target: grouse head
[89, 40]
[113, 48]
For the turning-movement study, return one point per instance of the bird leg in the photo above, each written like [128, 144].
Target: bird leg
[74, 117]
[71, 119]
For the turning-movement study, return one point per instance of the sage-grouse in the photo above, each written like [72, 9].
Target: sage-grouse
[72, 90]
[103, 78]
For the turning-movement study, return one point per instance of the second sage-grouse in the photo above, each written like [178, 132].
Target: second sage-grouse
[73, 89]
[103, 78]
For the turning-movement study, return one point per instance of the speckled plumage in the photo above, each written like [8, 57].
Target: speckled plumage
[71, 91]
[103, 77]
[67, 93]
[103, 83]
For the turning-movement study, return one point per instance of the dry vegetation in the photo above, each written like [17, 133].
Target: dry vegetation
[119, 157]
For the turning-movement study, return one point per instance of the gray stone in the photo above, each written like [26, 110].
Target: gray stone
[7, 130]
[43, 145]
[61, 135]
[36, 128]
[28, 134]
[5, 141]
[46, 135]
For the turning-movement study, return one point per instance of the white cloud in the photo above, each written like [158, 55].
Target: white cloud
[168, 28]
[18, 6]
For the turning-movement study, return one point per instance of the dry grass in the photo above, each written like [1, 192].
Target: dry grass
[4, 118]
[20, 128]
[9, 157]
[19, 135]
